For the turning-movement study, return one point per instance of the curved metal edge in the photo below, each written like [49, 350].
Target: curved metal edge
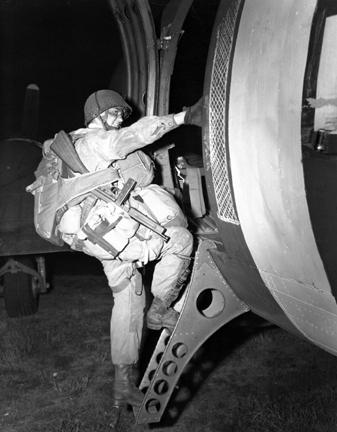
[173, 18]
[124, 34]
[149, 33]
[139, 44]
[223, 6]
[140, 78]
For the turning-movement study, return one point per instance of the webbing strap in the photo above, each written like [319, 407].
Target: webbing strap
[70, 190]
[88, 204]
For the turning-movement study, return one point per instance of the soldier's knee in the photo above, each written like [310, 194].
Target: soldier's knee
[181, 239]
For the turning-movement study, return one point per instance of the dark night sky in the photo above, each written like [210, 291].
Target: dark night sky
[71, 48]
[68, 48]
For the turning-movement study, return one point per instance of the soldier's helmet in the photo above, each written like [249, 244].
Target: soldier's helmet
[102, 100]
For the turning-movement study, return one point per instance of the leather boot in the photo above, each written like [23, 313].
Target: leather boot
[161, 316]
[125, 391]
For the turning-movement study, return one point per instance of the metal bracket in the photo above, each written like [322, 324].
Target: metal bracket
[208, 304]
[324, 141]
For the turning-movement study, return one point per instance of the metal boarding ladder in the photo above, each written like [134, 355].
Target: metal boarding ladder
[208, 304]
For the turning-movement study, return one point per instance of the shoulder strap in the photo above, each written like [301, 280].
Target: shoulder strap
[87, 205]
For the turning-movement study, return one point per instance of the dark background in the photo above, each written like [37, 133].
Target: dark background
[70, 48]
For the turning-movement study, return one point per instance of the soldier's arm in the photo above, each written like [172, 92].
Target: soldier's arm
[117, 144]
[149, 129]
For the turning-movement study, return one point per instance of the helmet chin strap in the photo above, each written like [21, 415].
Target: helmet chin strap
[106, 126]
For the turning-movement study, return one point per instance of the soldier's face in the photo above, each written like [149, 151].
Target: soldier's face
[113, 118]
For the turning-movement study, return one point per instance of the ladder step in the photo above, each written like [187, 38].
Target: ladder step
[208, 304]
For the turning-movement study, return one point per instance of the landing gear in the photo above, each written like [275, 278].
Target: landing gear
[21, 298]
[22, 280]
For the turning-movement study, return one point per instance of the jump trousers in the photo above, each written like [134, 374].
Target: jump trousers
[125, 280]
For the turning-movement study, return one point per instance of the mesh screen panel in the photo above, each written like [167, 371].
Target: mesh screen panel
[218, 117]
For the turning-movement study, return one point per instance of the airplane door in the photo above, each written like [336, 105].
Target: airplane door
[139, 42]
[254, 170]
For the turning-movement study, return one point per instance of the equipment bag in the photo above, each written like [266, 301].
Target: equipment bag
[52, 193]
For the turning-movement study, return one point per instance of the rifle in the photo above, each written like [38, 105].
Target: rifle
[63, 147]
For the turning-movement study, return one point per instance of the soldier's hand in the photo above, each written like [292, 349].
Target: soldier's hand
[193, 114]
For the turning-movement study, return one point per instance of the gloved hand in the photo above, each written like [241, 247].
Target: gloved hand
[193, 114]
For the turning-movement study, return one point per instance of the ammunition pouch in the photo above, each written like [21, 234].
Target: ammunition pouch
[108, 229]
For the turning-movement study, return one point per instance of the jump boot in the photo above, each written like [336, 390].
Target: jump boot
[161, 316]
[125, 390]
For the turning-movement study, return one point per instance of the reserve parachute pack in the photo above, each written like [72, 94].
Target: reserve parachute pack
[137, 165]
